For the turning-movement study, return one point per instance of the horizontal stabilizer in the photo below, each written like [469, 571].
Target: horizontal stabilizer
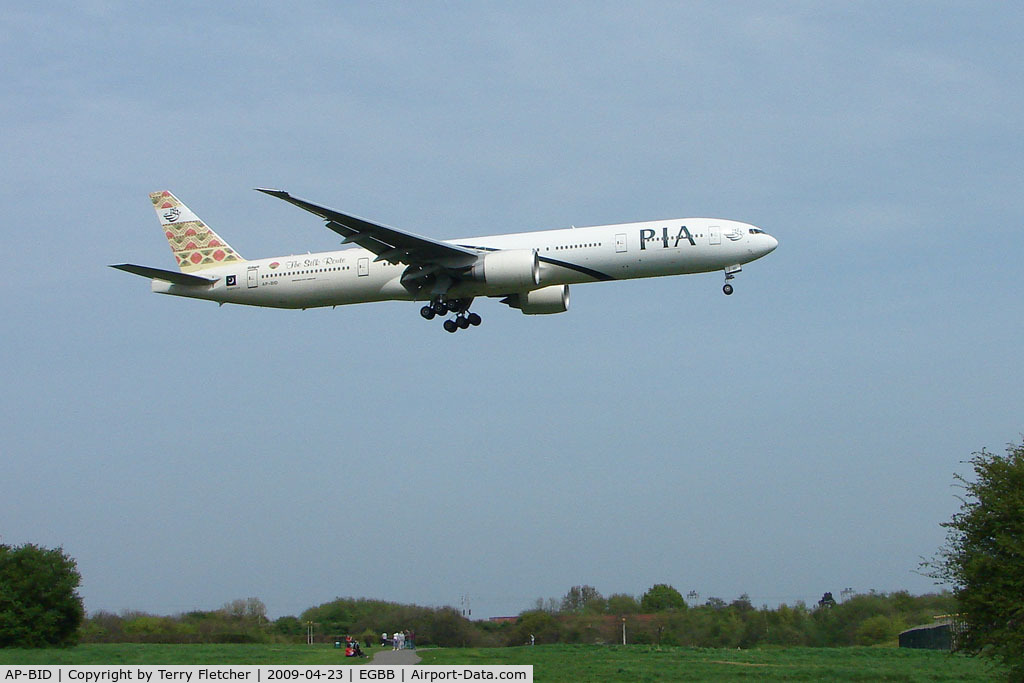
[171, 276]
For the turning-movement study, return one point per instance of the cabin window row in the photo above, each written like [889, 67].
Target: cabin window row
[305, 272]
[578, 246]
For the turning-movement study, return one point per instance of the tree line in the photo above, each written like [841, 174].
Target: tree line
[866, 619]
[244, 621]
[662, 616]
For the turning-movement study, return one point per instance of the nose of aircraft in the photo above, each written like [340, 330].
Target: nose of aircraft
[762, 243]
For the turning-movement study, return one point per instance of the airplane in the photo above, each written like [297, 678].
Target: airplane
[529, 271]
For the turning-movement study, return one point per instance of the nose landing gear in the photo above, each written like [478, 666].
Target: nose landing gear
[730, 273]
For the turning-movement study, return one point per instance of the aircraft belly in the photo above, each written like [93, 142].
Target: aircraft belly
[658, 261]
[340, 290]
[311, 291]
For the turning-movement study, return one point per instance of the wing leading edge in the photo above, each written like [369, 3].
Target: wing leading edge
[389, 244]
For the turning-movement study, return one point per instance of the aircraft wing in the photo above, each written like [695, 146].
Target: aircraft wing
[171, 276]
[389, 244]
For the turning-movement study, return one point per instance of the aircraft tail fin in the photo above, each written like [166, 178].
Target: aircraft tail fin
[195, 245]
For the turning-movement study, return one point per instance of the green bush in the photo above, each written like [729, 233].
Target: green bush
[39, 602]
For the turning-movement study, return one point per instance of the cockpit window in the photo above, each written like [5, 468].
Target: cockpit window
[756, 231]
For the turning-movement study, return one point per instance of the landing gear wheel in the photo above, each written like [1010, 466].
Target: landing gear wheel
[440, 308]
[450, 326]
[727, 288]
[427, 312]
[462, 322]
[474, 319]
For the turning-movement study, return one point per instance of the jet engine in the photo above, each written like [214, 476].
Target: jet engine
[553, 299]
[508, 269]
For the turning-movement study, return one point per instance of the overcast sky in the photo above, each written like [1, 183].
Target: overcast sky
[798, 437]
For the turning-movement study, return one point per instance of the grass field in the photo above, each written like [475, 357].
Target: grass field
[652, 663]
[575, 662]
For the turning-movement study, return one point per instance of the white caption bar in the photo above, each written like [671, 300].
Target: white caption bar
[103, 673]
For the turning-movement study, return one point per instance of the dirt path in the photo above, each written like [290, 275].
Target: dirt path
[396, 657]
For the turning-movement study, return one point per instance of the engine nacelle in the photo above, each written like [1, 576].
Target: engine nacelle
[553, 299]
[508, 269]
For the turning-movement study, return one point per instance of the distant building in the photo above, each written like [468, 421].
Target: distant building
[929, 637]
[503, 620]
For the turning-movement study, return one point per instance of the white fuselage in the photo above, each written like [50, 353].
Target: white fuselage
[570, 256]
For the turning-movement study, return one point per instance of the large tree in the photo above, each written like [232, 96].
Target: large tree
[583, 598]
[661, 597]
[39, 603]
[622, 603]
[983, 558]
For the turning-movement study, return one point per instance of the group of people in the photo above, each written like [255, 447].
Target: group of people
[400, 640]
[352, 648]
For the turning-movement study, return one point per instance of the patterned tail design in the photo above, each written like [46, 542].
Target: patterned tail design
[194, 244]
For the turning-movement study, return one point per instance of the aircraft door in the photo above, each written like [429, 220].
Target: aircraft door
[620, 243]
[363, 267]
[254, 277]
[714, 234]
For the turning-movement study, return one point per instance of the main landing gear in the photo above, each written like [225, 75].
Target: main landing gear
[730, 273]
[460, 307]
